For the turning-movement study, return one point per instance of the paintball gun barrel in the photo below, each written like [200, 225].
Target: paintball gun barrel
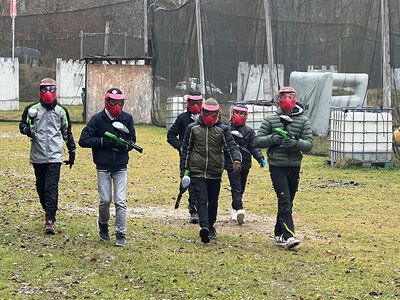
[122, 141]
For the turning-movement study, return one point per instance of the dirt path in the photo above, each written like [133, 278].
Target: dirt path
[254, 224]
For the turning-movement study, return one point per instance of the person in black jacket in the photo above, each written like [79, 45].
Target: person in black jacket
[111, 159]
[176, 134]
[244, 138]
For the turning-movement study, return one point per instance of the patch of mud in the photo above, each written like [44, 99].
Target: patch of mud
[255, 225]
[339, 184]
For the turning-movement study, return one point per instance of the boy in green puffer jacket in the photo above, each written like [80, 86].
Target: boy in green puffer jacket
[202, 159]
[284, 158]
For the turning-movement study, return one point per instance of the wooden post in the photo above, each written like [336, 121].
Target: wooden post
[200, 48]
[270, 49]
[386, 76]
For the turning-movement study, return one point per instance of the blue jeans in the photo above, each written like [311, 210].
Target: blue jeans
[105, 180]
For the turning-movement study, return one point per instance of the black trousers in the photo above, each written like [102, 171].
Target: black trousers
[285, 181]
[206, 192]
[47, 178]
[237, 181]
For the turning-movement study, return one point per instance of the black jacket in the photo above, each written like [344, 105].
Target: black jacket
[203, 149]
[176, 133]
[107, 159]
[245, 145]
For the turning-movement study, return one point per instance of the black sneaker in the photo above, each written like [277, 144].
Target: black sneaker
[120, 239]
[204, 232]
[194, 218]
[103, 232]
[49, 227]
[212, 234]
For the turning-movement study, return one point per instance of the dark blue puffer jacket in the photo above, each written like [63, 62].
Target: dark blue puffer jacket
[107, 159]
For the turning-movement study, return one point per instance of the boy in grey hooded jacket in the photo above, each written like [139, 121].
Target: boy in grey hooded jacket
[47, 123]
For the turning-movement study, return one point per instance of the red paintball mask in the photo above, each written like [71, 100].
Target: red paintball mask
[114, 101]
[239, 115]
[287, 98]
[47, 92]
[194, 103]
[210, 112]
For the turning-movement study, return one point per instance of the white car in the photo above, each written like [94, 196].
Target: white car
[195, 86]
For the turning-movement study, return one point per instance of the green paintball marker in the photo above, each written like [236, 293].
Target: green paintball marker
[121, 127]
[285, 120]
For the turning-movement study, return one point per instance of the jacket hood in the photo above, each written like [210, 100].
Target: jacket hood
[297, 110]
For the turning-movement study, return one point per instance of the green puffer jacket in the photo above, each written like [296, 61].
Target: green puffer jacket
[300, 129]
[202, 151]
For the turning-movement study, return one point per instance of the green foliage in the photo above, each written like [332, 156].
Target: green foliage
[346, 220]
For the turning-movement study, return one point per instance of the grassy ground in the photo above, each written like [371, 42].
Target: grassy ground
[346, 219]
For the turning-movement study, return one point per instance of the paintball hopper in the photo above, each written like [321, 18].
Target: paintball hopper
[120, 127]
[237, 133]
[32, 112]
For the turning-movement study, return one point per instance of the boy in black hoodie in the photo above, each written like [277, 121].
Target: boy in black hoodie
[244, 138]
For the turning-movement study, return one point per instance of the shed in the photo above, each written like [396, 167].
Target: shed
[132, 75]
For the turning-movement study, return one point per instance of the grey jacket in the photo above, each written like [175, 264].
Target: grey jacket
[48, 129]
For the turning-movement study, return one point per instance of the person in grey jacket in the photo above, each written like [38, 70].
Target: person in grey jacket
[47, 123]
[284, 158]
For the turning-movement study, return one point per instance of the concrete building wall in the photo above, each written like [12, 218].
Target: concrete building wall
[9, 84]
[253, 82]
[135, 81]
[70, 77]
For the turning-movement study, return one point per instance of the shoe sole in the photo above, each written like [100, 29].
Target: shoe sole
[102, 239]
[240, 219]
[49, 231]
[292, 245]
[194, 221]
[204, 236]
[120, 245]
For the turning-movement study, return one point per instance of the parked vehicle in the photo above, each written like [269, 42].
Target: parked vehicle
[195, 86]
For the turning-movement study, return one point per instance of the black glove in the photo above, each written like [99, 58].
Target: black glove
[289, 143]
[237, 166]
[277, 139]
[28, 131]
[71, 159]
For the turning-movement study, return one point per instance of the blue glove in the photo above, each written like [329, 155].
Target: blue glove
[289, 143]
[262, 163]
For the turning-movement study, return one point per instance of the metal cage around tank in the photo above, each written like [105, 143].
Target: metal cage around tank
[361, 133]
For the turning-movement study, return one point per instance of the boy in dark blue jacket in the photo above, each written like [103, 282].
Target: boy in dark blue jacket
[111, 159]
[176, 134]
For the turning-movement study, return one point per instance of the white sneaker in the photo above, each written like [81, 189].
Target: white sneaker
[240, 216]
[234, 215]
[280, 241]
[291, 243]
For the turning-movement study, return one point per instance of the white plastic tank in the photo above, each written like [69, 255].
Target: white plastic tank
[257, 112]
[175, 106]
[363, 134]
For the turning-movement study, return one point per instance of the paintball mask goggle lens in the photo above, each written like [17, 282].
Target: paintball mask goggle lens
[114, 102]
[214, 113]
[283, 96]
[195, 102]
[240, 113]
[50, 88]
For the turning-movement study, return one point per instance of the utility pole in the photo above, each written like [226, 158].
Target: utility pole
[386, 76]
[270, 49]
[145, 34]
[106, 38]
[200, 48]
[81, 36]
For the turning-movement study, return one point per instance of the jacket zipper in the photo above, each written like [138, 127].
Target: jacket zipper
[205, 171]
